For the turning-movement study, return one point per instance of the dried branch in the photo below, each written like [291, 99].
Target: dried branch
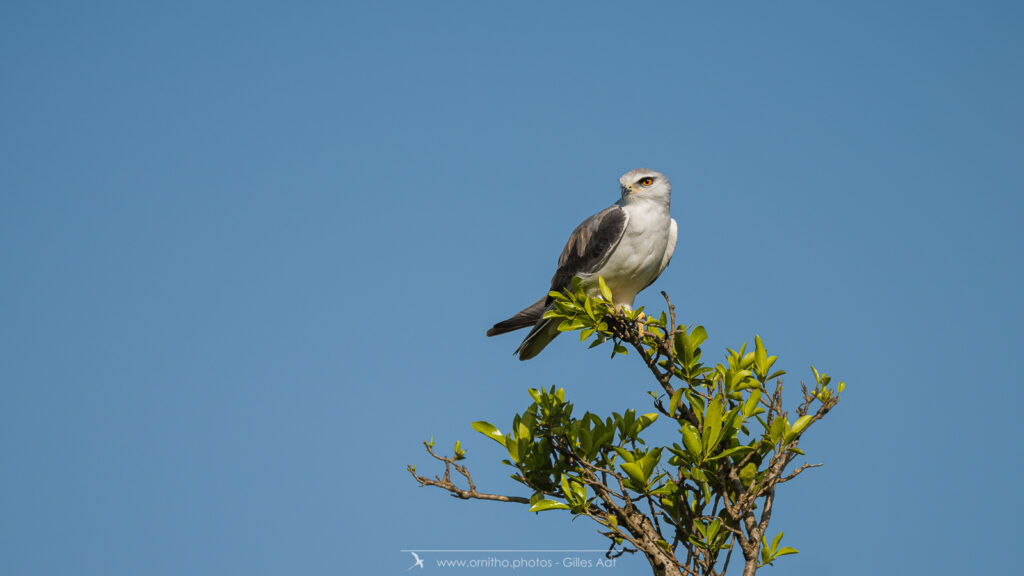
[796, 472]
[445, 482]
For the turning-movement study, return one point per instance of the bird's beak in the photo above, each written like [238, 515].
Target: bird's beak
[627, 190]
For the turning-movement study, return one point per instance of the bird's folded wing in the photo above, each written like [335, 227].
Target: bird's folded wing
[589, 245]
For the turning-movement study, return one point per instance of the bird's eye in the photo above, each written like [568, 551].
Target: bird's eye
[646, 181]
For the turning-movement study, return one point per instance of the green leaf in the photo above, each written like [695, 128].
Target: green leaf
[740, 380]
[523, 431]
[673, 402]
[712, 424]
[775, 541]
[761, 365]
[558, 296]
[512, 446]
[606, 292]
[646, 420]
[649, 461]
[752, 403]
[542, 505]
[778, 429]
[771, 553]
[696, 402]
[698, 475]
[748, 473]
[577, 288]
[729, 424]
[635, 472]
[489, 430]
[731, 451]
[786, 550]
[801, 423]
[698, 336]
[580, 490]
[691, 440]
[575, 492]
[713, 529]
[626, 454]
[568, 325]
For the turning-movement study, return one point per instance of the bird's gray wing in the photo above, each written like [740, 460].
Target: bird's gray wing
[588, 248]
[589, 245]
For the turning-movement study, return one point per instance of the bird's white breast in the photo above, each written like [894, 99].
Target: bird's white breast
[637, 259]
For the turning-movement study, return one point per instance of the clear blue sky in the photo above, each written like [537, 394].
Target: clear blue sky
[249, 251]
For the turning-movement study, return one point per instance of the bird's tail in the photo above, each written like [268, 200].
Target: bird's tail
[526, 317]
[542, 334]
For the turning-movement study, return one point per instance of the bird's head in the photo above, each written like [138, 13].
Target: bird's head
[645, 183]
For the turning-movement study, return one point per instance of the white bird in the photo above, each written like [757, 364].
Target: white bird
[419, 561]
[628, 244]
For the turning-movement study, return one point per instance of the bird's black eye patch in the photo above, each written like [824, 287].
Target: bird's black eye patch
[645, 181]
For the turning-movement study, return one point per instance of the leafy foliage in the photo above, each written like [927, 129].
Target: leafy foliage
[682, 505]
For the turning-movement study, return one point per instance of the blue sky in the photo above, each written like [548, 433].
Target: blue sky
[249, 252]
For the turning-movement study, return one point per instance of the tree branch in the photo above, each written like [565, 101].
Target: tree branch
[445, 482]
[697, 486]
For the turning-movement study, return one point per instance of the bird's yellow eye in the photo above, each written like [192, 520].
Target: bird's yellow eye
[647, 181]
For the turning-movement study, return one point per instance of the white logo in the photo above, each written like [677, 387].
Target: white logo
[419, 561]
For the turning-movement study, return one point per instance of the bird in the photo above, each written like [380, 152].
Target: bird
[419, 561]
[628, 244]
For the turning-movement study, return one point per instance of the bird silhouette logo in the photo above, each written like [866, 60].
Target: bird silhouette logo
[419, 561]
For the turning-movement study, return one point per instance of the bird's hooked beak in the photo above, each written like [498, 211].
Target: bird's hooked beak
[626, 190]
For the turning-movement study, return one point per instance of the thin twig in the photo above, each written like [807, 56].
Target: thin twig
[445, 482]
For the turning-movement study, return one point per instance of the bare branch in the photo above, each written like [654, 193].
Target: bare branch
[445, 482]
[796, 472]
